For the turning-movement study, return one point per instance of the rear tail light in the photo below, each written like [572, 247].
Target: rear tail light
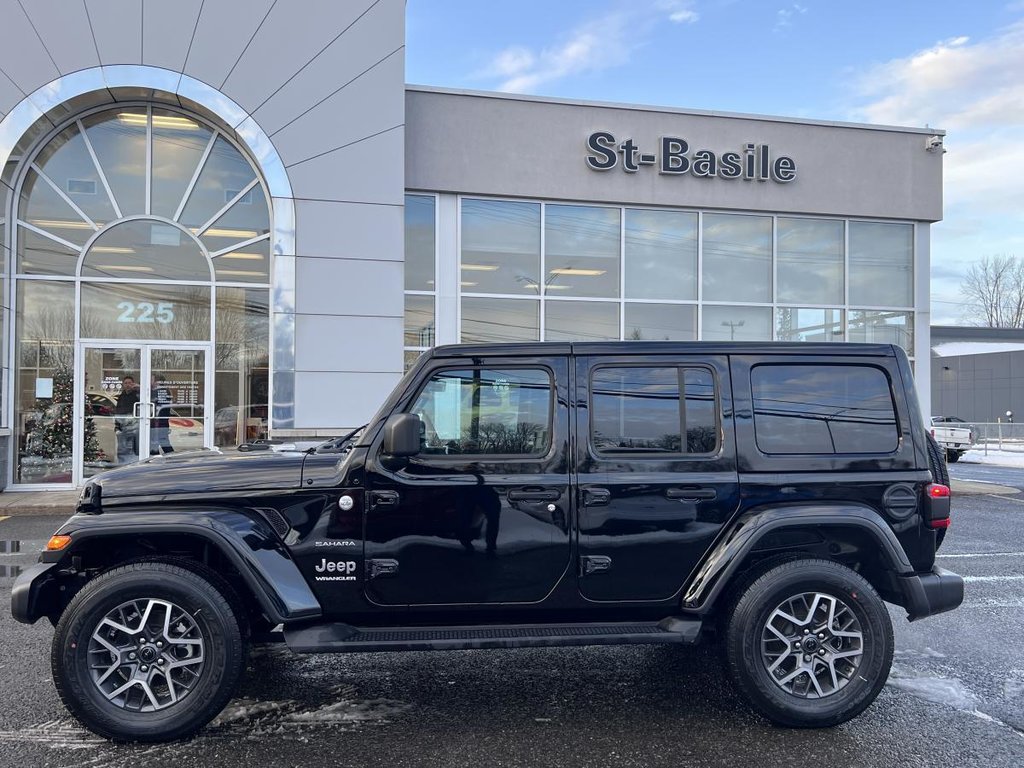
[937, 506]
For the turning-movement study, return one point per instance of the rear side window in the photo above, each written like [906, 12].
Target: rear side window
[823, 409]
[486, 411]
[653, 410]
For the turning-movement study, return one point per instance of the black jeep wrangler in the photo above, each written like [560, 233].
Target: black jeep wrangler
[768, 496]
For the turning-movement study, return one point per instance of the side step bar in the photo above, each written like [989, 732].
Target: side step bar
[344, 638]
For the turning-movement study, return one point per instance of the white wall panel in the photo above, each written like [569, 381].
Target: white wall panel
[349, 230]
[223, 32]
[333, 123]
[167, 31]
[22, 56]
[364, 44]
[117, 27]
[370, 171]
[325, 400]
[351, 286]
[9, 94]
[348, 343]
[64, 28]
[291, 36]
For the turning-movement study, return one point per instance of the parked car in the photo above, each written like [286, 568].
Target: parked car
[954, 435]
[767, 497]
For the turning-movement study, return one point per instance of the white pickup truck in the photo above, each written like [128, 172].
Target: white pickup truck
[955, 436]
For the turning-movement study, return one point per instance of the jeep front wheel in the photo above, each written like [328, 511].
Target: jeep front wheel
[810, 643]
[148, 652]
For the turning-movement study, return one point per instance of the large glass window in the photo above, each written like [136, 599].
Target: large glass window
[737, 258]
[500, 247]
[881, 264]
[420, 276]
[488, 320]
[881, 327]
[661, 254]
[810, 261]
[581, 251]
[581, 321]
[823, 409]
[177, 225]
[800, 324]
[483, 411]
[650, 409]
[736, 323]
[661, 322]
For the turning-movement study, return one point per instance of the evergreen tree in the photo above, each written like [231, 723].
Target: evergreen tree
[54, 435]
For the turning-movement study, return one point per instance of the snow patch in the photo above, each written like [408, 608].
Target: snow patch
[940, 690]
[996, 457]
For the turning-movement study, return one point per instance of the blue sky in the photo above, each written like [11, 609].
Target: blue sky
[952, 65]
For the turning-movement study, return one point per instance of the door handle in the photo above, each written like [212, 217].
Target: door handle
[383, 499]
[691, 494]
[523, 495]
[596, 497]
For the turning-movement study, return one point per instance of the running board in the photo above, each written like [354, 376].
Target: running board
[344, 638]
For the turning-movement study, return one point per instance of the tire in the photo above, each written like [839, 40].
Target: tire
[952, 457]
[937, 461]
[192, 674]
[788, 695]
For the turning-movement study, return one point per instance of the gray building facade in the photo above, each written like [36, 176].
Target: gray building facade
[977, 373]
[223, 220]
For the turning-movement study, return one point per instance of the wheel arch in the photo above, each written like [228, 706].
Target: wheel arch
[239, 547]
[850, 534]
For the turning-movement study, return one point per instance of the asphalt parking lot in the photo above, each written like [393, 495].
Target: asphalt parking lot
[955, 696]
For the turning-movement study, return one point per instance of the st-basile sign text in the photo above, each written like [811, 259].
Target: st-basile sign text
[754, 162]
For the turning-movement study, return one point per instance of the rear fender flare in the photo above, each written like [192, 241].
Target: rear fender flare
[723, 561]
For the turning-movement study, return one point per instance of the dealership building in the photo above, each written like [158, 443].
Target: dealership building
[223, 220]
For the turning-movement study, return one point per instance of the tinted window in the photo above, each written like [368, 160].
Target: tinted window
[823, 409]
[486, 411]
[638, 409]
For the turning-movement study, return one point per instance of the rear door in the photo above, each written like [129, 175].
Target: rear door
[481, 515]
[657, 471]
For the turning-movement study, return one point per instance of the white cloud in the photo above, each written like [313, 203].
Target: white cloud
[784, 16]
[973, 89]
[600, 43]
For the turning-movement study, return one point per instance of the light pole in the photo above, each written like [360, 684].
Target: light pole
[732, 326]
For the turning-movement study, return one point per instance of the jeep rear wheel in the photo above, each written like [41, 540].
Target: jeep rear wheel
[148, 652]
[810, 643]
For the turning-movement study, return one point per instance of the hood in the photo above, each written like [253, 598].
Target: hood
[202, 473]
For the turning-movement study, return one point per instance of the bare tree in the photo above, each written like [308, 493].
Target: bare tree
[993, 290]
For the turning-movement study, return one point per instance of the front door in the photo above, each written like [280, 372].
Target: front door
[482, 514]
[139, 400]
[657, 471]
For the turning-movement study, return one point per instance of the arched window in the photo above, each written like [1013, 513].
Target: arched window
[135, 223]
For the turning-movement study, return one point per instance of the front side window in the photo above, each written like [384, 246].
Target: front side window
[486, 411]
[650, 410]
[823, 409]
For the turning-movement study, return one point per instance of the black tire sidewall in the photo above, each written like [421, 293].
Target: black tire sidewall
[223, 663]
[744, 643]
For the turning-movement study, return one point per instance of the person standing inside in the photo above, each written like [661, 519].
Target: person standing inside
[126, 424]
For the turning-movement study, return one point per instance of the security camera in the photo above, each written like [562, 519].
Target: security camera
[934, 144]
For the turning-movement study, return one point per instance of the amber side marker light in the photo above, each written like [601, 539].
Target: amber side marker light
[57, 543]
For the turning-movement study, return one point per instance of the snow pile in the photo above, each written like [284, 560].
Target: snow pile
[995, 456]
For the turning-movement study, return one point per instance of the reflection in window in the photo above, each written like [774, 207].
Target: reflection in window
[145, 311]
[661, 322]
[800, 324]
[810, 261]
[419, 321]
[581, 321]
[880, 327]
[486, 320]
[500, 247]
[146, 249]
[581, 251]
[823, 409]
[419, 243]
[242, 366]
[661, 254]
[737, 323]
[737, 257]
[881, 264]
[638, 409]
[485, 411]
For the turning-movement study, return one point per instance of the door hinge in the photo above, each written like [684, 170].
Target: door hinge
[384, 567]
[595, 564]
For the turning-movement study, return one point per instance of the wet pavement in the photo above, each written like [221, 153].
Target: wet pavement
[955, 696]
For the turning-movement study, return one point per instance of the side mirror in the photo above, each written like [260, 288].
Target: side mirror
[402, 434]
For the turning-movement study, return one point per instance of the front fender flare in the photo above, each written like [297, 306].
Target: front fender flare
[247, 541]
[725, 558]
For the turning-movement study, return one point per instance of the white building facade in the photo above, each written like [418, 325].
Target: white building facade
[225, 220]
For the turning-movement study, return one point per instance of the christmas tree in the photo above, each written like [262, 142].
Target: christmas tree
[54, 435]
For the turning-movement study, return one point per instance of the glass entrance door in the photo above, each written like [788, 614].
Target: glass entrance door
[138, 400]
